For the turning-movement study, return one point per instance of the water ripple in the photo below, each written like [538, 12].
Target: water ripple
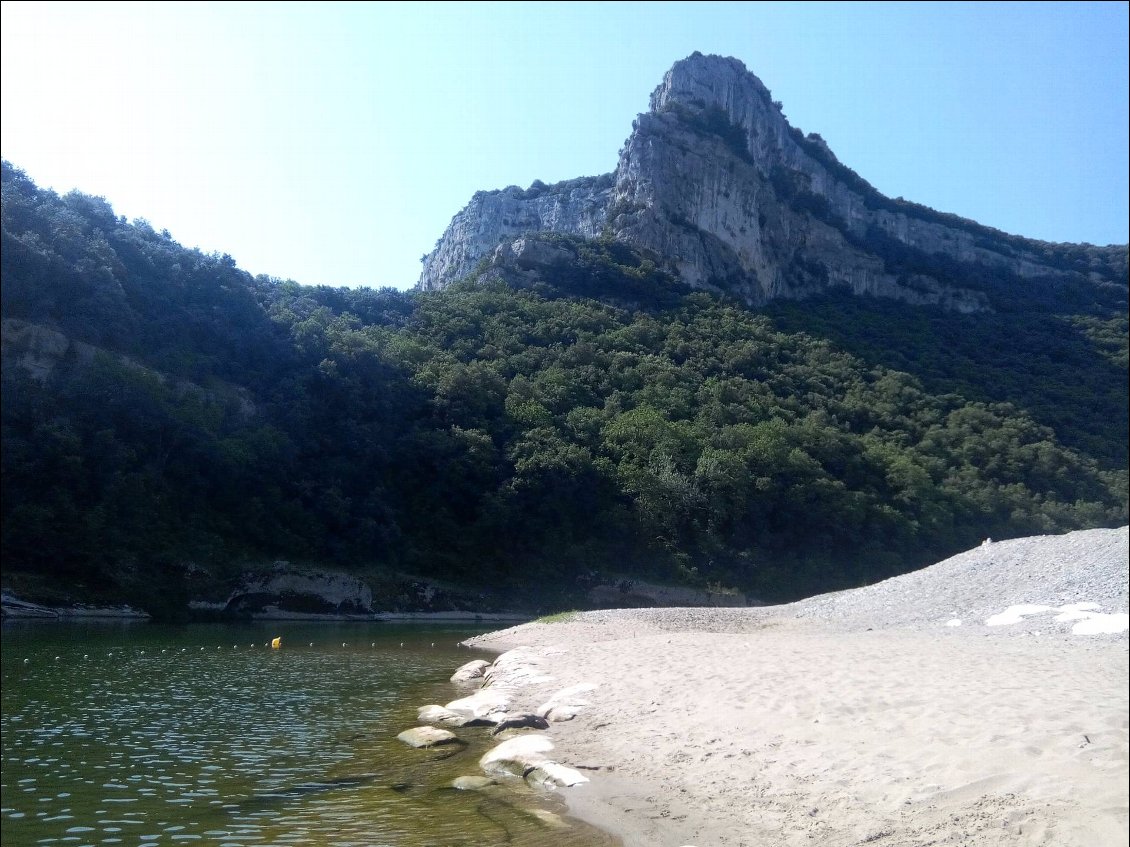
[158, 737]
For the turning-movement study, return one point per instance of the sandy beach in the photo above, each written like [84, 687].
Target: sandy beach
[867, 717]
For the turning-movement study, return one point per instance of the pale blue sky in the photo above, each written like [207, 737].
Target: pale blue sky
[332, 143]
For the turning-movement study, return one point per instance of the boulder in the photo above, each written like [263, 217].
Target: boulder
[486, 703]
[554, 775]
[470, 671]
[567, 703]
[438, 714]
[520, 666]
[428, 736]
[516, 756]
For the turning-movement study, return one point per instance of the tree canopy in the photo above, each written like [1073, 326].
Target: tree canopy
[521, 429]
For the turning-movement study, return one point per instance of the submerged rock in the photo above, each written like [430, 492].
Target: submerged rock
[548, 818]
[472, 783]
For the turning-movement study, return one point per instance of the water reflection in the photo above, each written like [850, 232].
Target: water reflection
[143, 735]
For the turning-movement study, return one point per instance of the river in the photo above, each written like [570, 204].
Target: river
[141, 734]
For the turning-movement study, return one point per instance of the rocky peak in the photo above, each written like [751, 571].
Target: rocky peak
[715, 181]
[701, 81]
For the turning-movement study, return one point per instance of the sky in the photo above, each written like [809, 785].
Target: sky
[331, 143]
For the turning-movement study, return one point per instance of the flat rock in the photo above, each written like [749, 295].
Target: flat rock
[427, 736]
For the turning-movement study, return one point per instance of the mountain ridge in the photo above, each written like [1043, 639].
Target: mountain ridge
[715, 181]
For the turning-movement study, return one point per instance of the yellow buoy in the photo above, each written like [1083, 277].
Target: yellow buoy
[276, 643]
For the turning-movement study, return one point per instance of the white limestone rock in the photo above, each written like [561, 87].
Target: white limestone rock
[715, 182]
[484, 703]
[433, 713]
[554, 775]
[516, 756]
[567, 703]
[471, 671]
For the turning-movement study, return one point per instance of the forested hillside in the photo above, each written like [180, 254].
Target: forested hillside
[165, 413]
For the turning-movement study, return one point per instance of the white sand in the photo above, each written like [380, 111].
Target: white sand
[756, 727]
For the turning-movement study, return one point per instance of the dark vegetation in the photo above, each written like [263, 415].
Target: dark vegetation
[522, 430]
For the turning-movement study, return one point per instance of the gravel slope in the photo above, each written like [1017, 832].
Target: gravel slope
[1089, 566]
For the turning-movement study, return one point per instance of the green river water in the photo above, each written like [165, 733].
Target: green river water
[139, 734]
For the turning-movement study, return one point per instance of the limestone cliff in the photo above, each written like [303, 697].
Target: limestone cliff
[578, 207]
[715, 181]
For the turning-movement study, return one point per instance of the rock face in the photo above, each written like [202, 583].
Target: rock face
[717, 185]
[287, 589]
[578, 206]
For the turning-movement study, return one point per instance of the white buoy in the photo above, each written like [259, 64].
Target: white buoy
[27, 661]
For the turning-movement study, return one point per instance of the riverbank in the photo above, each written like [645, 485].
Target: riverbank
[18, 609]
[978, 702]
